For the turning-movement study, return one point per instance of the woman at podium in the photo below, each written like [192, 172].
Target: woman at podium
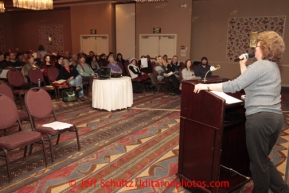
[264, 119]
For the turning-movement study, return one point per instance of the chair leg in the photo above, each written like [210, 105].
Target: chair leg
[58, 138]
[20, 98]
[25, 151]
[51, 149]
[31, 148]
[44, 152]
[77, 138]
[7, 164]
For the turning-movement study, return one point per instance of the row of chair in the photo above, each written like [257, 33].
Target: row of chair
[39, 106]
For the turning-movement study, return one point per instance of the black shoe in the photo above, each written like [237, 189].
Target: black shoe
[82, 98]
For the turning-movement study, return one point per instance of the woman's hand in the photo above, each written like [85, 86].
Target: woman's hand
[200, 87]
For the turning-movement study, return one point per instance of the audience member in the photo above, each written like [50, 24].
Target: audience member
[74, 60]
[121, 61]
[149, 71]
[135, 72]
[13, 62]
[165, 60]
[30, 64]
[94, 64]
[70, 74]
[59, 62]
[88, 58]
[188, 72]
[115, 69]
[164, 74]
[203, 68]
[44, 66]
[41, 50]
[2, 61]
[175, 63]
[85, 71]
[102, 59]
[67, 55]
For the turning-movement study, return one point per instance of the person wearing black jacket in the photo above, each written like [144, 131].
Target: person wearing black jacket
[203, 68]
[70, 74]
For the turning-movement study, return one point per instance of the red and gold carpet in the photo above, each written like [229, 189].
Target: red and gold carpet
[133, 150]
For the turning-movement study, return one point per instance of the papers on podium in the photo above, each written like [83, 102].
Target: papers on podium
[229, 99]
[57, 125]
[144, 62]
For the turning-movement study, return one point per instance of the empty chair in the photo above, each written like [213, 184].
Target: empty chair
[8, 117]
[16, 80]
[39, 105]
[35, 75]
[6, 90]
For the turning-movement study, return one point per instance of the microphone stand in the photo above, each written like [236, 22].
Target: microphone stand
[206, 76]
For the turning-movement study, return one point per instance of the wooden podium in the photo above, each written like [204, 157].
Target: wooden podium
[212, 152]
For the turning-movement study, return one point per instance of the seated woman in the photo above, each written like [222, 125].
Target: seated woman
[70, 74]
[135, 72]
[115, 69]
[164, 74]
[121, 61]
[94, 64]
[188, 72]
[44, 66]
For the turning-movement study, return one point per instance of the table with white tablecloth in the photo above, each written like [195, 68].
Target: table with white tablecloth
[112, 94]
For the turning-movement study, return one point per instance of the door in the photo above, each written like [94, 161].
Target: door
[158, 44]
[96, 43]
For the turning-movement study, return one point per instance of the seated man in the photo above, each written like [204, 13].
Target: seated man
[30, 64]
[203, 68]
[85, 71]
[164, 74]
[174, 66]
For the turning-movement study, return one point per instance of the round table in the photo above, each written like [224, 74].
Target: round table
[112, 94]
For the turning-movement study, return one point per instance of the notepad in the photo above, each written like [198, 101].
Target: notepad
[57, 125]
[229, 99]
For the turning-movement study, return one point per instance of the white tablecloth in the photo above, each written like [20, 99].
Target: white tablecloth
[112, 94]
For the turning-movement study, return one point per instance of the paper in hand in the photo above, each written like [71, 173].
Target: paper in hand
[144, 62]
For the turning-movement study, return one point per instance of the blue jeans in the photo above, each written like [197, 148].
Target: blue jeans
[262, 132]
[77, 81]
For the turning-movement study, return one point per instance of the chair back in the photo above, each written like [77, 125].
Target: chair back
[6, 90]
[15, 77]
[52, 73]
[35, 74]
[8, 113]
[38, 103]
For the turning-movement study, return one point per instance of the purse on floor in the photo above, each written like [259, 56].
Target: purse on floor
[69, 95]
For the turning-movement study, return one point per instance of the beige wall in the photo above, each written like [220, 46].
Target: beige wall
[170, 17]
[210, 24]
[94, 16]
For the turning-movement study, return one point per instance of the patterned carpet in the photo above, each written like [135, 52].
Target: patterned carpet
[132, 150]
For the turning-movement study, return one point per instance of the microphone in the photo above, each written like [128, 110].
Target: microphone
[252, 55]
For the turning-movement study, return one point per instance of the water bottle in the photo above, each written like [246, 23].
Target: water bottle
[39, 83]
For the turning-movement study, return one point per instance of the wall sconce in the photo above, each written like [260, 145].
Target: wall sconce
[183, 5]
[253, 39]
[50, 39]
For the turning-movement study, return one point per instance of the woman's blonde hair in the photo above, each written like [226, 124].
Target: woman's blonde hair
[272, 45]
